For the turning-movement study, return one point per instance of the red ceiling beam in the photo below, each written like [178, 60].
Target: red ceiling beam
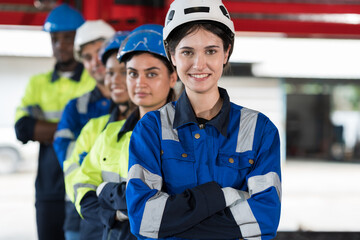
[296, 8]
[297, 28]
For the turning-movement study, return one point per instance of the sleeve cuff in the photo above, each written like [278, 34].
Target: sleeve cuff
[24, 129]
[213, 195]
[100, 188]
[233, 195]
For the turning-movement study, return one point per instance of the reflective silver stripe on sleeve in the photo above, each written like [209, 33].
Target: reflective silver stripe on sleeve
[70, 149]
[246, 220]
[153, 213]
[108, 176]
[82, 103]
[83, 185]
[153, 181]
[154, 207]
[64, 133]
[38, 113]
[71, 168]
[52, 115]
[34, 111]
[247, 127]
[260, 183]
[26, 109]
[67, 198]
[167, 114]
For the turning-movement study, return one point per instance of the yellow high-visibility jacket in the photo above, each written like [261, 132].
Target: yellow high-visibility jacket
[101, 179]
[83, 145]
[45, 98]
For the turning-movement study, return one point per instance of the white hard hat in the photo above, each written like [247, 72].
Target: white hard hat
[90, 31]
[184, 11]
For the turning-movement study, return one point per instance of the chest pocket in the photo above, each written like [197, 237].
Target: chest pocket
[178, 168]
[233, 169]
[111, 166]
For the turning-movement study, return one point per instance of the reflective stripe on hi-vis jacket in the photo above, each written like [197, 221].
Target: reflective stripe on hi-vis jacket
[218, 180]
[83, 145]
[45, 99]
[107, 161]
[76, 114]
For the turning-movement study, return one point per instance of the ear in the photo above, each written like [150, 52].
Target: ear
[173, 79]
[227, 55]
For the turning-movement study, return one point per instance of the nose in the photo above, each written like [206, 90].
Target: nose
[60, 44]
[95, 61]
[199, 62]
[141, 80]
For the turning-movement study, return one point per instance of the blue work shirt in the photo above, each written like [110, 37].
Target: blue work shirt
[180, 172]
[76, 114]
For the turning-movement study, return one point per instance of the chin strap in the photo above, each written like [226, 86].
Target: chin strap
[127, 105]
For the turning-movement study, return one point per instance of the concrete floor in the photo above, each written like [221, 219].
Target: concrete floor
[317, 196]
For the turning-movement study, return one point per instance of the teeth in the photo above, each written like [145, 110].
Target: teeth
[199, 75]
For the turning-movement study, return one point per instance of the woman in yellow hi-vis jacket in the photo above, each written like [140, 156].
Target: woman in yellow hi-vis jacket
[101, 181]
[115, 81]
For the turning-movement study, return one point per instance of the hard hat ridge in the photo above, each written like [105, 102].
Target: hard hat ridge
[146, 38]
[184, 11]
[112, 45]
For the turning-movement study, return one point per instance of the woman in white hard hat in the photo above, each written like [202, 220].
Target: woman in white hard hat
[203, 167]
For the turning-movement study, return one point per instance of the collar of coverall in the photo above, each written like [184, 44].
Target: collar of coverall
[184, 113]
[76, 76]
[130, 123]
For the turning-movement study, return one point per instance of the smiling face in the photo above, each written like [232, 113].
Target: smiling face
[148, 81]
[115, 80]
[199, 59]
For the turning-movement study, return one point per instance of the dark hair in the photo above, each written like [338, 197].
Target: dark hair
[166, 62]
[108, 54]
[172, 95]
[183, 30]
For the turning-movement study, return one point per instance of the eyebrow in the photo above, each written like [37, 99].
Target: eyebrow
[130, 68]
[152, 68]
[210, 46]
[148, 69]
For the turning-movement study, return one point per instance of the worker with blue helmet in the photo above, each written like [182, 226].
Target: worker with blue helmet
[84, 142]
[101, 181]
[89, 40]
[40, 110]
[63, 18]
[112, 45]
[137, 41]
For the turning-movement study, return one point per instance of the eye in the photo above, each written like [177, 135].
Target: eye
[151, 74]
[86, 57]
[211, 51]
[187, 53]
[132, 74]
[69, 39]
[110, 73]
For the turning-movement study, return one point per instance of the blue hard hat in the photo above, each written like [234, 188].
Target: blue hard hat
[155, 27]
[112, 45]
[63, 18]
[146, 38]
